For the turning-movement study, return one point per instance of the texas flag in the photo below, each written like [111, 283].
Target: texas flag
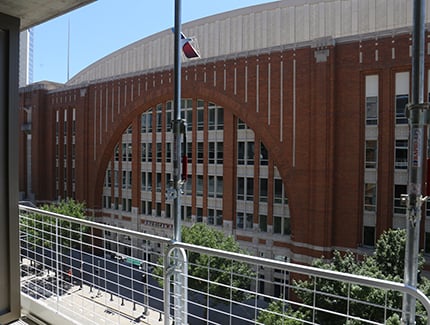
[188, 49]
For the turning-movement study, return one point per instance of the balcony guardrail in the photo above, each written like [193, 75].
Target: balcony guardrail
[91, 273]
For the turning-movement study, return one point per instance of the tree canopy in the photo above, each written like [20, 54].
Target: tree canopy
[219, 271]
[41, 229]
[386, 263]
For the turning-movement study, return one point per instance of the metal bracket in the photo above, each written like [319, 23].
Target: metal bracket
[181, 124]
[414, 111]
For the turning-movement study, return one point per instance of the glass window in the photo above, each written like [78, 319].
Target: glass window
[249, 189]
[427, 243]
[398, 191]
[219, 153]
[159, 152]
[370, 197]
[241, 153]
[211, 113]
[211, 186]
[159, 121]
[249, 221]
[372, 110]
[200, 119]
[371, 153]
[401, 102]
[239, 220]
[264, 156]
[200, 185]
[368, 236]
[263, 223]
[277, 225]
[278, 191]
[211, 153]
[149, 182]
[240, 188]
[220, 118]
[200, 152]
[219, 186]
[401, 152]
[250, 153]
[263, 190]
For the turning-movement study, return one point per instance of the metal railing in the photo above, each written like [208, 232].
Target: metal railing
[91, 273]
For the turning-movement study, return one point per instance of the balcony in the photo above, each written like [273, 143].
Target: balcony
[80, 272]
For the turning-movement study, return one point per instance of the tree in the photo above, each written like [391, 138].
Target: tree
[386, 263]
[41, 230]
[224, 274]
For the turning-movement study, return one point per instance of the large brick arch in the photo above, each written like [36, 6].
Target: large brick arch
[195, 90]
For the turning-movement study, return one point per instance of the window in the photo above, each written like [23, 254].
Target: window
[239, 220]
[371, 110]
[282, 225]
[263, 190]
[116, 152]
[401, 96]
[158, 184]
[370, 197]
[240, 188]
[211, 186]
[398, 191]
[250, 153]
[143, 152]
[143, 123]
[371, 153]
[143, 181]
[263, 223]
[264, 156]
[241, 153]
[368, 236]
[401, 152]
[401, 102]
[149, 182]
[200, 119]
[168, 152]
[200, 152]
[211, 153]
[219, 186]
[159, 152]
[249, 189]
[278, 191]
[159, 122]
[124, 179]
[427, 243]
[219, 153]
[129, 179]
[199, 185]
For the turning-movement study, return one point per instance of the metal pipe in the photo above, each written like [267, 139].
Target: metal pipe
[176, 125]
[417, 113]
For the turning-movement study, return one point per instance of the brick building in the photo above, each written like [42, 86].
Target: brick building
[297, 139]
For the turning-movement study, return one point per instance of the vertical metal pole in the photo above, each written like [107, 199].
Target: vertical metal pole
[180, 318]
[417, 113]
[176, 124]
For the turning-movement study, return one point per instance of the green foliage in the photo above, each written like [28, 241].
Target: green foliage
[221, 272]
[41, 230]
[386, 263]
[277, 313]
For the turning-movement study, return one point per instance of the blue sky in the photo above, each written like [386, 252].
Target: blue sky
[107, 25]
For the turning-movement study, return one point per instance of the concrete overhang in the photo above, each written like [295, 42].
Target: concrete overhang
[34, 12]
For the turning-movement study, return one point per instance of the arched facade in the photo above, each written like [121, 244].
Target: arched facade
[326, 109]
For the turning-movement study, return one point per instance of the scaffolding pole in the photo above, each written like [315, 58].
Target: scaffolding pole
[417, 113]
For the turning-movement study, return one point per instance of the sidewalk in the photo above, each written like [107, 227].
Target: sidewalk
[98, 307]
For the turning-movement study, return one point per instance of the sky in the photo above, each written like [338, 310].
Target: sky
[105, 26]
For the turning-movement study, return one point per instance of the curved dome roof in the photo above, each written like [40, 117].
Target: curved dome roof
[284, 23]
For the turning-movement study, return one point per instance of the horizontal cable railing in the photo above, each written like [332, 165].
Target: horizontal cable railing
[92, 273]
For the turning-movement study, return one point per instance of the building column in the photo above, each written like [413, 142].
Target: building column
[9, 221]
